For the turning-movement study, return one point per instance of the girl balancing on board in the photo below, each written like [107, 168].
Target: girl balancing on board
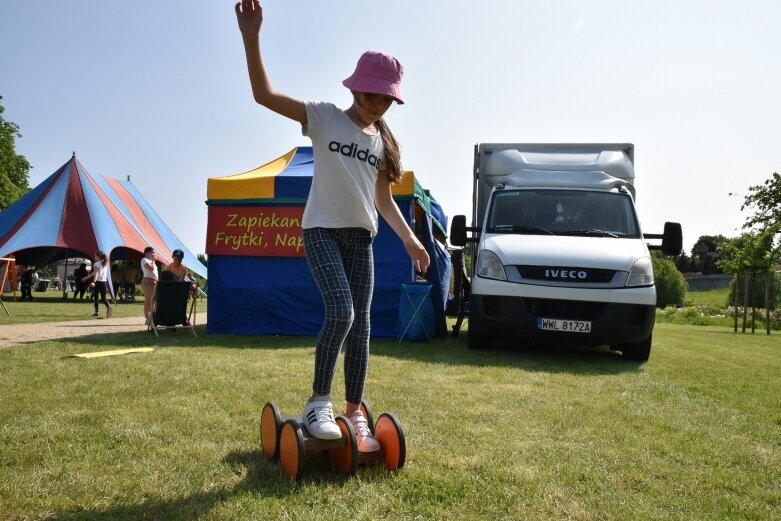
[356, 159]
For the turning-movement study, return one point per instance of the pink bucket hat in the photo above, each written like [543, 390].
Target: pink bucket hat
[377, 73]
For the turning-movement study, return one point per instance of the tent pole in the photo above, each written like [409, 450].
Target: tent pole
[2, 282]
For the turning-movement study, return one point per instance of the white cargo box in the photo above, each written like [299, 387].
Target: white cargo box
[586, 165]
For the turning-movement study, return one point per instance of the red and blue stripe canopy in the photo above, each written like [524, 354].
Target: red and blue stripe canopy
[75, 213]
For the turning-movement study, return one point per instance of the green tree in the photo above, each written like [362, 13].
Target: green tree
[761, 252]
[765, 200]
[706, 254]
[671, 287]
[14, 168]
[683, 262]
[201, 257]
[757, 291]
[751, 254]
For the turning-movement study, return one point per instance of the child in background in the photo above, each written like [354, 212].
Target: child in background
[99, 275]
[149, 282]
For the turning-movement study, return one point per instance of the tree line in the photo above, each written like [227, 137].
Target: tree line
[753, 258]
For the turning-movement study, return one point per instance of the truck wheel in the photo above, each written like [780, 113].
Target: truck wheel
[637, 352]
[477, 338]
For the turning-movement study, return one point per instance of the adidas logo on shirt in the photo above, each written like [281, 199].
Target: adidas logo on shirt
[351, 150]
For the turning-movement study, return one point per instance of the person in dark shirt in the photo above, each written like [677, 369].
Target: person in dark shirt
[78, 274]
[27, 284]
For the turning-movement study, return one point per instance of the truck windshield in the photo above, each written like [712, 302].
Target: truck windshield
[563, 212]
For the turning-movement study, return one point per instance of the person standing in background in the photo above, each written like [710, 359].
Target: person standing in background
[100, 274]
[149, 282]
[80, 287]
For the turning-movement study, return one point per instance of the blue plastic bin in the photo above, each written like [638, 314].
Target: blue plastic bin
[416, 312]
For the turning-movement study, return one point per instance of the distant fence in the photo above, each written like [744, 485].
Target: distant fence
[707, 282]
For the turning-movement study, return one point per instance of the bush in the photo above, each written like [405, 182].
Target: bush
[716, 316]
[671, 287]
[757, 291]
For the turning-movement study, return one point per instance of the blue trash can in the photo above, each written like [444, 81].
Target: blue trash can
[416, 312]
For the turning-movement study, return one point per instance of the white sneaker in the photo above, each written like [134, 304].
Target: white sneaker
[366, 442]
[318, 418]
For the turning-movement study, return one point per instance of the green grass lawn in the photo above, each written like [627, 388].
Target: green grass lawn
[713, 297]
[49, 306]
[557, 433]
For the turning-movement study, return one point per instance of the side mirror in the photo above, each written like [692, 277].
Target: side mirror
[458, 230]
[672, 239]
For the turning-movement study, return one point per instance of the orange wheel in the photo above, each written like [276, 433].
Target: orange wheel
[270, 423]
[391, 437]
[367, 413]
[345, 459]
[291, 449]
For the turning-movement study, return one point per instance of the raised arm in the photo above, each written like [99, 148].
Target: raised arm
[249, 15]
[387, 207]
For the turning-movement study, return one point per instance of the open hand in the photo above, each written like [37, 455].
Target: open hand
[249, 14]
[418, 254]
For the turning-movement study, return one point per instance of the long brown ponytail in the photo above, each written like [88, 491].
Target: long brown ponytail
[392, 163]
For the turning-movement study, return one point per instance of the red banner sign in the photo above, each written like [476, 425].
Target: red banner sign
[260, 231]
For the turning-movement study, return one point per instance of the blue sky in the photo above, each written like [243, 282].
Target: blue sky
[159, 91]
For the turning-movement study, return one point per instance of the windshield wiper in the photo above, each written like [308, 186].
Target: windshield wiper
[521, 228]
[590, 231]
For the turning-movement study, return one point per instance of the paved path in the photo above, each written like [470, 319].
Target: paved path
[20, 334]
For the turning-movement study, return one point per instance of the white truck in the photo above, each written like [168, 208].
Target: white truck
[559, 254]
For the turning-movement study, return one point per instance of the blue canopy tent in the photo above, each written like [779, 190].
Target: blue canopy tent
[75, 212]
[259, 281]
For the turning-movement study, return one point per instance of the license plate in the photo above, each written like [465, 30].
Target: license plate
[569, 326]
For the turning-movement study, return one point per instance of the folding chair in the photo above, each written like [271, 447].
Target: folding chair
[170, 307]
[416, 312]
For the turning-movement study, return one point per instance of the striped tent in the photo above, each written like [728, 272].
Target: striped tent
[259, 281]
[74, 213]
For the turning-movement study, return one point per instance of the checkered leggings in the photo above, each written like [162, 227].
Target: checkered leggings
[343, 267]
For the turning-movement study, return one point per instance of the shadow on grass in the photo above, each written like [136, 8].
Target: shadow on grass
[183, 338]
[551, 358]
[538, 357]
[533, 357]
[260, 478]
[142, 337]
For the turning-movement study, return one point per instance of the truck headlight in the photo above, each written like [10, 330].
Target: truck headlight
[641, 274]
[489, 266]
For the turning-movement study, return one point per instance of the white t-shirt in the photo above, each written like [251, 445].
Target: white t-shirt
[145, 268]
[345, 173]
[101, 271]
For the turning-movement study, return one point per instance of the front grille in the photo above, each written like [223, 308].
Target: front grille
[565, 274]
